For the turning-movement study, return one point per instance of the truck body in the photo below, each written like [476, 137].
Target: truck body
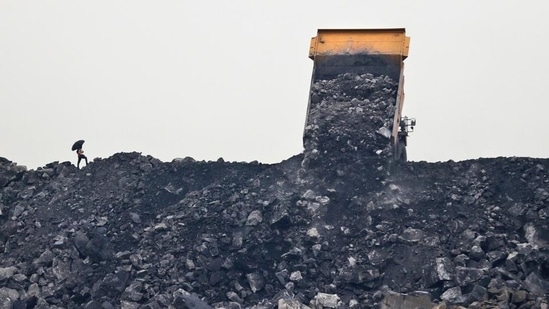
[360, 60]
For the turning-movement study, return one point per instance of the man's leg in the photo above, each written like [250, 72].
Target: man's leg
[78, 164]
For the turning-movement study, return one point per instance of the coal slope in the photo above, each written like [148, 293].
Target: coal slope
[333, 227]
[130, 231]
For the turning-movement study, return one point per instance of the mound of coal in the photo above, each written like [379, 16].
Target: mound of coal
[131, 231]
[339, 226]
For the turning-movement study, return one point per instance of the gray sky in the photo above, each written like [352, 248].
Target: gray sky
[230, 79]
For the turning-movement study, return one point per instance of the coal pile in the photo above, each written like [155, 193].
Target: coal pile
[131, 231]
[340, 225]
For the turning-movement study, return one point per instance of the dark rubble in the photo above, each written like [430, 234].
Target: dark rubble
[133, 232]
[340, 225]
[350, 114]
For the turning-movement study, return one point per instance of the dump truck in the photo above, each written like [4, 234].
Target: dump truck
[357, 93]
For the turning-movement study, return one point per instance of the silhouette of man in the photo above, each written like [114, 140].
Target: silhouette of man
[81, 156]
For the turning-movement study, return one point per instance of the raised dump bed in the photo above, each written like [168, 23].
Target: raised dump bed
[356, 95]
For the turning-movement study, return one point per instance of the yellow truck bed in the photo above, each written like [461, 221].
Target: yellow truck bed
[356, 56]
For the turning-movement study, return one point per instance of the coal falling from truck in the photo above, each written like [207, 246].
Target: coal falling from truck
[351, 114]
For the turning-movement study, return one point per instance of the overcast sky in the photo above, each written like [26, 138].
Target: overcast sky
[211, 79]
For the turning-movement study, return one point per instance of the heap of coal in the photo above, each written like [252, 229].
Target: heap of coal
[350, 231]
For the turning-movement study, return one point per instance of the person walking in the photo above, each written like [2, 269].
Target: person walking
[79, 152]
[81, 156]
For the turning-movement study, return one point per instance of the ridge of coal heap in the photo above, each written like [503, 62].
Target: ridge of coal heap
[133, 232]
[328, 228]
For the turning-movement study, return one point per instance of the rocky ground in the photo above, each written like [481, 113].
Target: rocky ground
[332, 227]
